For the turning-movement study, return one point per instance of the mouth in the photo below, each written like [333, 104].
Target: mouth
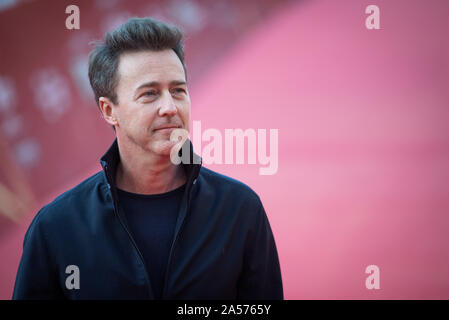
[167, 128]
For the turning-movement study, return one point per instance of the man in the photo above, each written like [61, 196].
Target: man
[145, 227]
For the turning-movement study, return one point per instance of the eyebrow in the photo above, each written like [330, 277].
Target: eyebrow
[156, 84]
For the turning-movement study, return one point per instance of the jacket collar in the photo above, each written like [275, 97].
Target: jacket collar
[111, 158]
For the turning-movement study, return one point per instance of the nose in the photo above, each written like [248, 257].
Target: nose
[167, 107]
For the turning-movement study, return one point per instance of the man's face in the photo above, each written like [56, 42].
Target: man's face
[152, 94]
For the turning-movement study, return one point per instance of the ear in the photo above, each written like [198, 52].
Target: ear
[108, 110]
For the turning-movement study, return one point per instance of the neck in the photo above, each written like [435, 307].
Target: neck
[147, 173]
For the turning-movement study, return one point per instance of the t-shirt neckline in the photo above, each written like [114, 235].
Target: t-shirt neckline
[152, 196]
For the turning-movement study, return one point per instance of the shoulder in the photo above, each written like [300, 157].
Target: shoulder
[231, 188]
[75, 199]
[82, 191]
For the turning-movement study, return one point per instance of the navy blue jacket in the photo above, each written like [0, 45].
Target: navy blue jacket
[223, 246]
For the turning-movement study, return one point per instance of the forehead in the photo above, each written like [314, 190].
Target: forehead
[161, 66]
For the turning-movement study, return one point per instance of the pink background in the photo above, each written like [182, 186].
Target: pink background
[362, 118]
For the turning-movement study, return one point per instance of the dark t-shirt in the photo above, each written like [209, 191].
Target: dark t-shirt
[152, 220]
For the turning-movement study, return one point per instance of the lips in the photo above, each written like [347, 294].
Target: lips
[167, 127]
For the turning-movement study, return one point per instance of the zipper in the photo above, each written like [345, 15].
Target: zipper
[164, 290]
[190, 186]
[116, 208]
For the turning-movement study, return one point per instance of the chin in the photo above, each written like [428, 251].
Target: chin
[163, 148]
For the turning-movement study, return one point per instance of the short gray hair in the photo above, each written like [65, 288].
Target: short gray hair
[135, 35]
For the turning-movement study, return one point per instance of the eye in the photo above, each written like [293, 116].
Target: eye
[149, 93]
[179, 90]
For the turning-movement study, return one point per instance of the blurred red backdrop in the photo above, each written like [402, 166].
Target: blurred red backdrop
[362, 118]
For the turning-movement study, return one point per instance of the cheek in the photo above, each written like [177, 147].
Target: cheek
[145, 120]
[185, 114]
[139, 119]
